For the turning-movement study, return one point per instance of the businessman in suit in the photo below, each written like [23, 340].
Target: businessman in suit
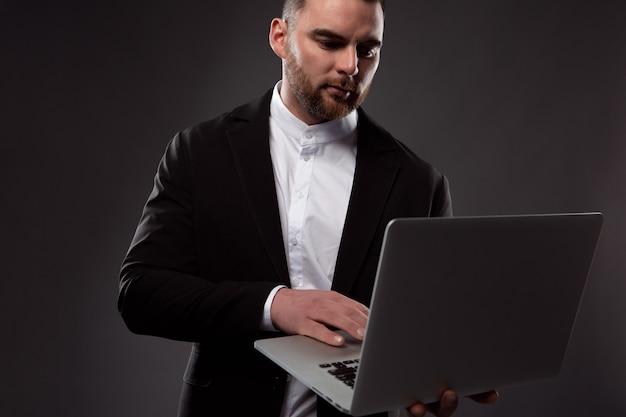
[269, 219]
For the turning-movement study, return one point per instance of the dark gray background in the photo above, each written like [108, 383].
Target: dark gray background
[520, 103]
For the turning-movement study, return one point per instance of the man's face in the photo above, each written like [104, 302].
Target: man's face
[331, 54]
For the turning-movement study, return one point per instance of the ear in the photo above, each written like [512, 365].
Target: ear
[278, 36]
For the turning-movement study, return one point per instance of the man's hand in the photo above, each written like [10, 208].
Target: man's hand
[448, 403]
[312, 312]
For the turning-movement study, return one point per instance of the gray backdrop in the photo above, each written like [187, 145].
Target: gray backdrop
[520, 103]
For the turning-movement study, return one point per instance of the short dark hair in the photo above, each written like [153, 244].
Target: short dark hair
[292, 7]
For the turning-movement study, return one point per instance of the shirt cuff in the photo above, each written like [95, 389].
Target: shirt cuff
[266, 321]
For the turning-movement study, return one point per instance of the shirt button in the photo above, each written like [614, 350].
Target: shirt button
[306, 157]
[300, 195]
[308, 135]
[294, 241]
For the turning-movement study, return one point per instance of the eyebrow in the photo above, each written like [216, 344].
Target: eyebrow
[326, 33]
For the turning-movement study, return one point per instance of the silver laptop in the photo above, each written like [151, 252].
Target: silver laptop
[466, 303]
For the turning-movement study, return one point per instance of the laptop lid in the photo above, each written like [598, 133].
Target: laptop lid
[467, 303]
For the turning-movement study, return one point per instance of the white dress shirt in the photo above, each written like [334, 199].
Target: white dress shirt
[314, 170]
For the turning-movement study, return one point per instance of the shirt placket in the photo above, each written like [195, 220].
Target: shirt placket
[297, 209]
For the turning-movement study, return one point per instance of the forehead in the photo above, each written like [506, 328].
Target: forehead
[350, 18]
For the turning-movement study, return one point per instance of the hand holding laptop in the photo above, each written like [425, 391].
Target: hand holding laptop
[448, 403]
[311, 312]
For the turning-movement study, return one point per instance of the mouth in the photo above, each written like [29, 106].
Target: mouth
[340, 91]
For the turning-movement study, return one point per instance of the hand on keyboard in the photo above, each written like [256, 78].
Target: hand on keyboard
[312, 312]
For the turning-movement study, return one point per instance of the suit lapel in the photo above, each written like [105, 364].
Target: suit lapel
[373, 181]
[249, 141]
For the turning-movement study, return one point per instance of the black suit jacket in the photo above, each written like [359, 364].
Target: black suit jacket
[208, 249]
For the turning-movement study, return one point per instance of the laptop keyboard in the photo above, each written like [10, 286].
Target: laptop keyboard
[345, 371]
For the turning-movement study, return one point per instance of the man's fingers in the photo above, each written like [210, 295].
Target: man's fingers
[338, 313]
[341, 317]
[449, 402]
[445, 407]
[417, 410]
[310, 313]
[323, 334]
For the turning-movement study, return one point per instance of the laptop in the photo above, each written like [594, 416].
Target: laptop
[464, 303]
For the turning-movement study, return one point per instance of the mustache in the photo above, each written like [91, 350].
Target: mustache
[344, 84]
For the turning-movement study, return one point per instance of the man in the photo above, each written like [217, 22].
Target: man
[269, 220]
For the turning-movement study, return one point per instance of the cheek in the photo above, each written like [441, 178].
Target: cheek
[367, 72]
[313, 61]
[316, 66]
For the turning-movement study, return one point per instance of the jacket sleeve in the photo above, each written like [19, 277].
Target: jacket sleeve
[442, 201]
[162, 292]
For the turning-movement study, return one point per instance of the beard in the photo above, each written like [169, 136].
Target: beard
[310, 96]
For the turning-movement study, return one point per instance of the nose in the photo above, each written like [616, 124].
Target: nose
[348, 61]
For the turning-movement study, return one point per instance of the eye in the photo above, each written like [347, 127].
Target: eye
[365, 52]
[328, 44]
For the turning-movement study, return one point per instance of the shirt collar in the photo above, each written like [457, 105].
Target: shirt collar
[298, 130]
